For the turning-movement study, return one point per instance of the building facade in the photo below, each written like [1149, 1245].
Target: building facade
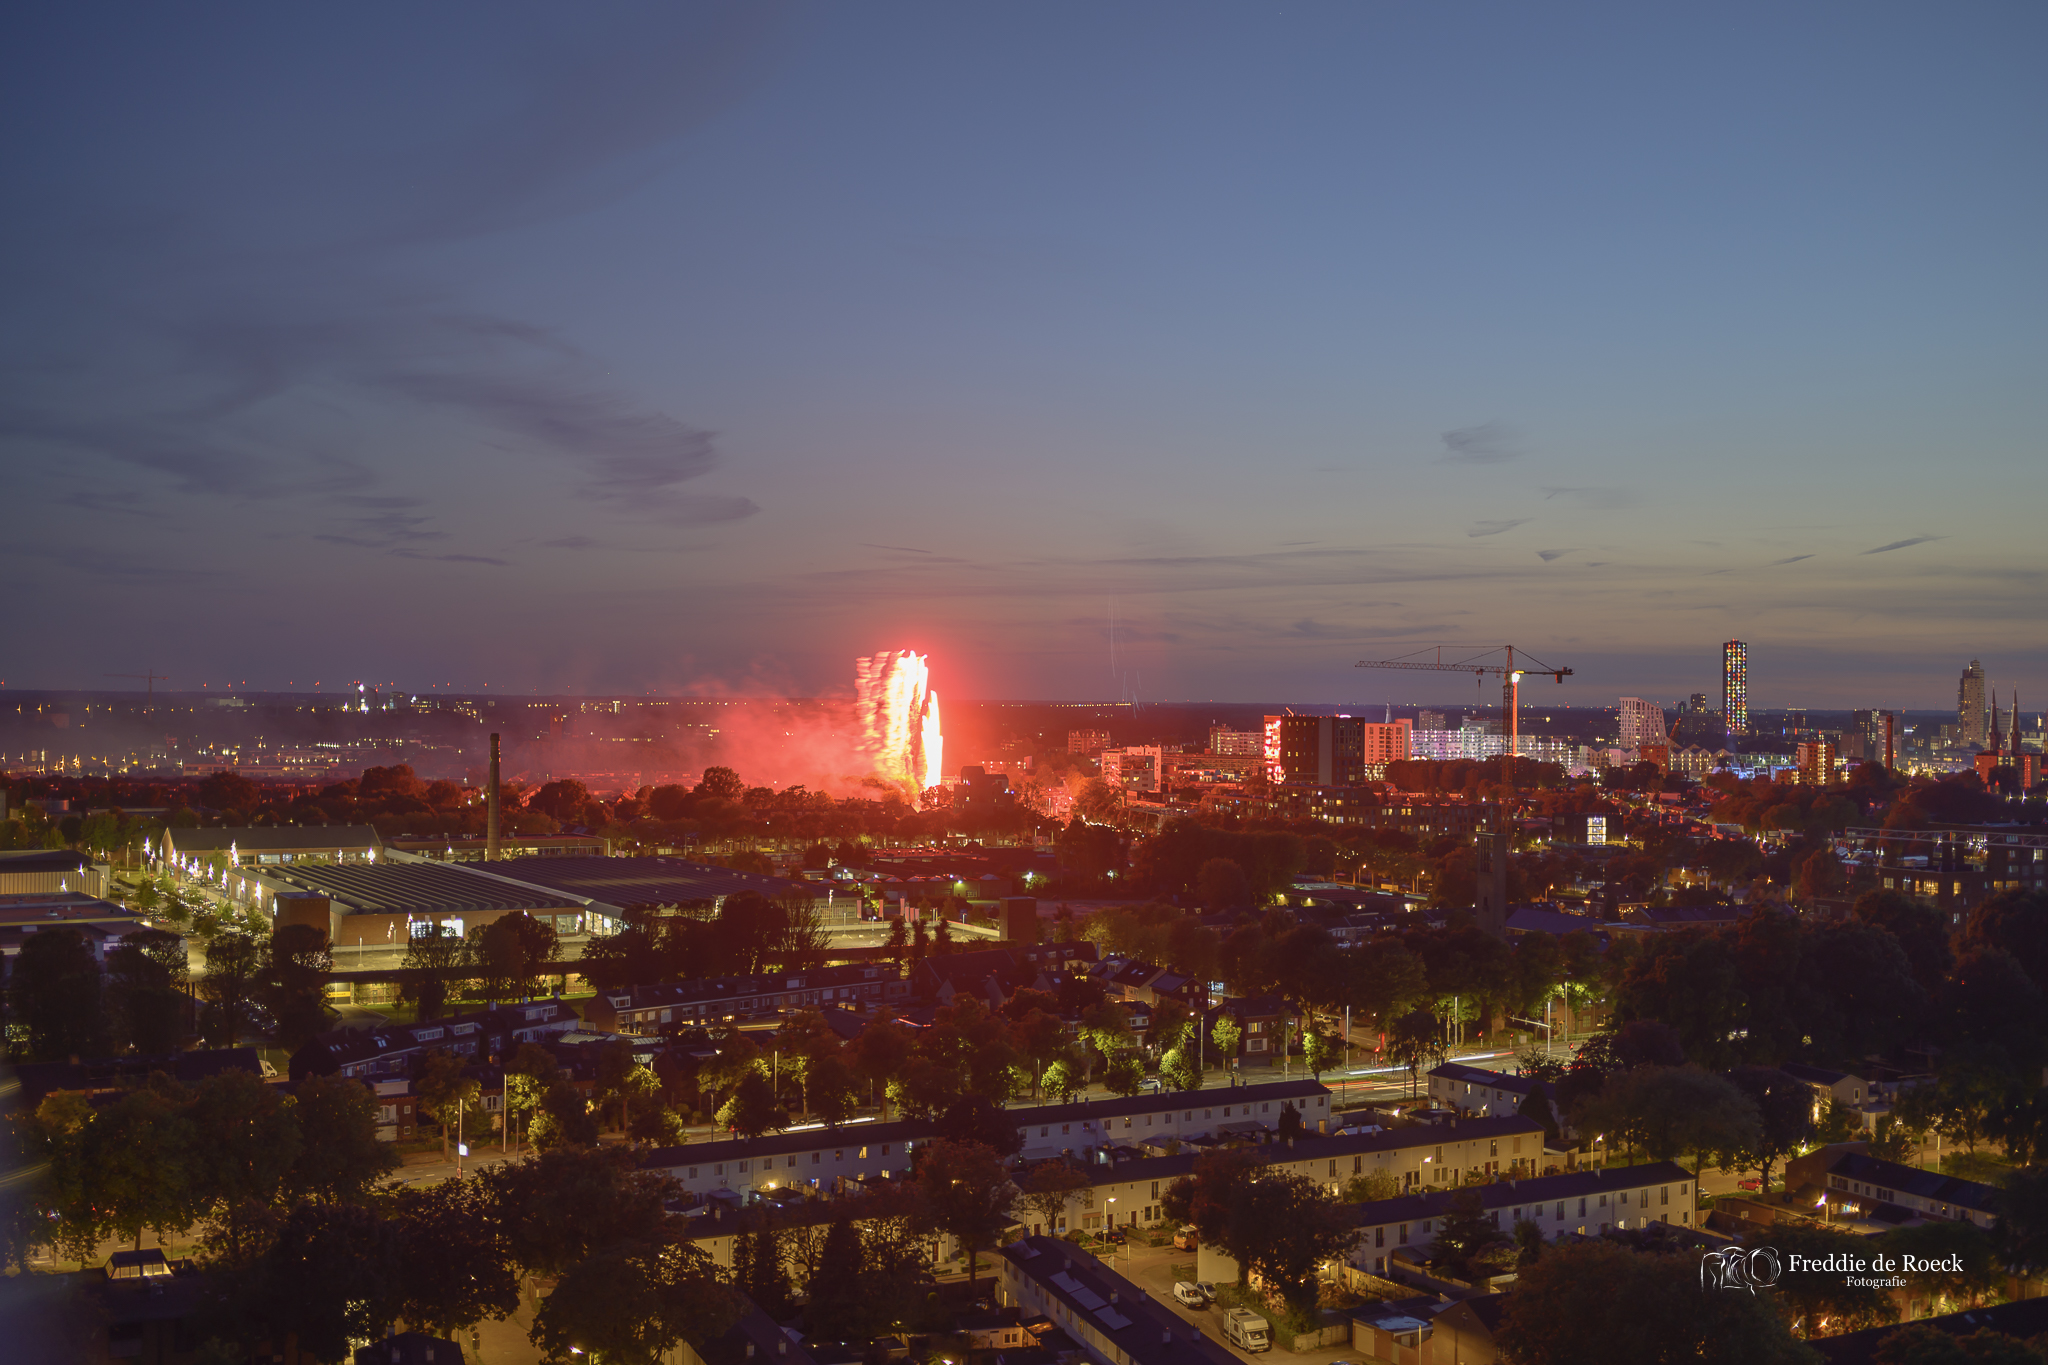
[1735, 686]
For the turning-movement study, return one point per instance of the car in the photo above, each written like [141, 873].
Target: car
[1114, 1235]
[1208, 1288]
[1749, 1184]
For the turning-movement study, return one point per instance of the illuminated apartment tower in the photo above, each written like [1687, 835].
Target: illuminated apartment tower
[1735, 686]
[1973, 726]
[1642, 723]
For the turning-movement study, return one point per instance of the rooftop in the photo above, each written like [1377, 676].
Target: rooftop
[415, 888]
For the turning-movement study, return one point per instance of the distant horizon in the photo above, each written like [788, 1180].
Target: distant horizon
[1351, 708]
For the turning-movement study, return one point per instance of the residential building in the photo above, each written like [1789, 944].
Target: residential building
[1251, 743]
[1087, 742]
[1576, 1203]
[1472, 1090]
[654, 1009]
[1336, 751]
[1135, 769]
[1735, 686]
[1857, 1185]
[398, 1049]
[1640, 723]
[1112, 1320]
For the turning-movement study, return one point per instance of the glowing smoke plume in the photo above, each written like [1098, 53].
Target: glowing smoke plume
[899, 715]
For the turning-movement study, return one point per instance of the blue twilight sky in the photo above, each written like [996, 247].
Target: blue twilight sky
[621, 347]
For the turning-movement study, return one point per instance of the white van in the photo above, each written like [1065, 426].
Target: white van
[1189, 1295]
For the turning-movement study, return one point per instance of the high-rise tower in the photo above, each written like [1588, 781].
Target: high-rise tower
[1735, 686]
[1972, 725]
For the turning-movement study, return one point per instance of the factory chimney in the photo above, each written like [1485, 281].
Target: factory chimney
[491, 807]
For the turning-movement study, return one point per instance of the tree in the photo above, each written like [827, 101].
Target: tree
[1468, 1243]
[1061, 1081]
[1671, 1111]
[1371, 1187]
[246, 1141]
[563, 1116]
[2021, 1233]
[1784, 1117]
[429, 958]
[966, 1193]
[510, 954]
[443, 1090]
[760, 1270]
[1124, 1076]
[752, 1110]
[340, 1154]
[296, 985]
[973, 1120]
[1600, 1303]
[1818, 1303]
[139, 1156]
[224, 790]
[54, 996]
[331, 1277]
[1049, 1188]
[833, 1308]
[1956, 1242]
[1221, 885]
[1226, 1035]
[1284, 1226]
[145, 1007]
[879, 1054]
[456, 1262]
[633, 1304]
[562, 1206]
[1288, 1125]
[229, 986]
[1321, 1052]
[1207, 1196]
[1536, 1105]
[833, 1092]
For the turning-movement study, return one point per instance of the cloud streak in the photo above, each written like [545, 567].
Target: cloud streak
[1487, 443]
[1902, 544]
[1494, 528]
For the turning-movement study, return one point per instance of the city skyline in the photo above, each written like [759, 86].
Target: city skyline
[713, 348]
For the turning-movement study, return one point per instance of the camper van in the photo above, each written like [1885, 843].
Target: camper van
[1246, 1330]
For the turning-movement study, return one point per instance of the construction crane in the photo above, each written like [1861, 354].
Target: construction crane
[150, 680]
[1511, 679]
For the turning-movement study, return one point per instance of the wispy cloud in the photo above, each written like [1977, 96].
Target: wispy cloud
[1903, 544]
[1548, 555]
[454, 559]
[1790, 559]
[1494, 528]
[1487, 443]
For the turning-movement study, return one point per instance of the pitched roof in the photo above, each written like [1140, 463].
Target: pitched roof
[1503, 1194]
[2023, 1320]
[1145, 1331]
[1943, 1189]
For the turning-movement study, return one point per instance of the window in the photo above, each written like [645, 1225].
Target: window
[693, 1173]
[885, 1149]
[1493, 1148]
[743, 1168]
[790, 1162]
[1582, 1206]
[1404, 1234]
[1379, 1237]
[1664, 1194]
[1357, 1164]
[839, 1155]
[817, 1157]
[1560, 1210]
[1155, 1189]
[1045, 1132]
[719, 1169]
[1333, 1166]
[1603, 1200]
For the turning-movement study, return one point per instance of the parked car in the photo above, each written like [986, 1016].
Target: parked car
[1208, 1288]
[1188, 1295]
[1751, 1184]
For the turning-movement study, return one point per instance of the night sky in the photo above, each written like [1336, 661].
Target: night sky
[617, 348]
